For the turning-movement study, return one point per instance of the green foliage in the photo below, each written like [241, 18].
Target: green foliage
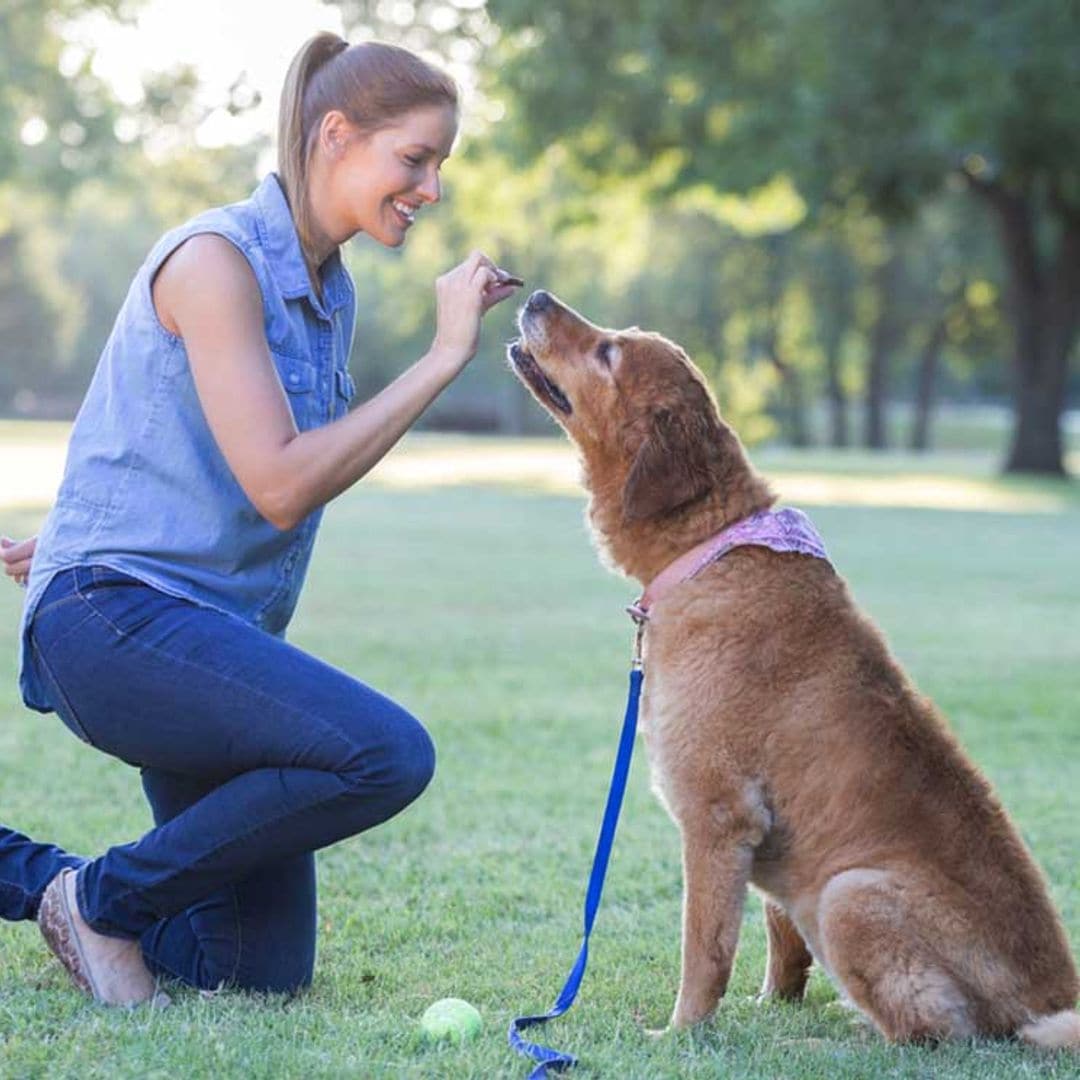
[653, 166]
[843, 95]
[56, 126]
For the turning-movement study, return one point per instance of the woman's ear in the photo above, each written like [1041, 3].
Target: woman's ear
[335, 133]
[674, 466]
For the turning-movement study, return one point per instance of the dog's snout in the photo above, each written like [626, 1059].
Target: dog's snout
[540, 300]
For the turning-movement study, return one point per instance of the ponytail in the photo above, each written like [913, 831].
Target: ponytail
[371, 83]
[294, 149]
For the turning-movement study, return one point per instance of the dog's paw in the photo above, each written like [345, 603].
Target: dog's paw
[653, 1033]
[777, 997]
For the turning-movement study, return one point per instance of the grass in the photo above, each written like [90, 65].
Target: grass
[479, 604]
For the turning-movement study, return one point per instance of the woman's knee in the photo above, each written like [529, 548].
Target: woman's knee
[413, 761]
[396, 767]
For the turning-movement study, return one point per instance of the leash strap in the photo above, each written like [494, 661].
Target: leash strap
[548, 1057]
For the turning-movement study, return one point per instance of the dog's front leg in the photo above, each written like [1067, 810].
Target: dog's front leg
[716, 868]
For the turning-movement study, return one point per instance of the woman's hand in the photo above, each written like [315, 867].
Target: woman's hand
[463, 296]
[17, 557]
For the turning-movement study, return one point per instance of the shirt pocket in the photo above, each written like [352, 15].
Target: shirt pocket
[300, 382]
[344, 392]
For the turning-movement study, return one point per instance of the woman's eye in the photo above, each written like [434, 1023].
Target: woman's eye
[412, 162]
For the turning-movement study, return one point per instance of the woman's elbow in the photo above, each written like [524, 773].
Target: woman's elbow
[280, 507]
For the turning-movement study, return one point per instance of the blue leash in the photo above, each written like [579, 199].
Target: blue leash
[549, 1058]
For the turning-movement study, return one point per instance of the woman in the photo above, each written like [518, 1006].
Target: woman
[213, 433]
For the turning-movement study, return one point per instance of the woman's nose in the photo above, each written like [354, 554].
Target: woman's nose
[431, 188]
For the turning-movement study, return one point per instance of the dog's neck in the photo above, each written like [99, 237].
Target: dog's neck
[641, 549]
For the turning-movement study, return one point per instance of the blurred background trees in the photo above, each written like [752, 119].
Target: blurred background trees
[851, 214]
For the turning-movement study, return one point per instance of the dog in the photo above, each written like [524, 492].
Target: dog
[784, 740]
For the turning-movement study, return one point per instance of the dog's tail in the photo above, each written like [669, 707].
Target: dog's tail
[1057, 1031]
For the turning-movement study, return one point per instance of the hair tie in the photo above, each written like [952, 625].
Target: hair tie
[337, 49]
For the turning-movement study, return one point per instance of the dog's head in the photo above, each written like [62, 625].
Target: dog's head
[652, 440]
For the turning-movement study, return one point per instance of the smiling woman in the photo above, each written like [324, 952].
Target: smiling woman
[216, 428]
[389, 120]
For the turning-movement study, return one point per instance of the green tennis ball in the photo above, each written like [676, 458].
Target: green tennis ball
[451, 1019]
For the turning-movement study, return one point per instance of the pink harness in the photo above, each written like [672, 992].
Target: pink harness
[780, 530]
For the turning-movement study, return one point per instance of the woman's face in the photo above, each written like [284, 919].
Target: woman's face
[377, 183]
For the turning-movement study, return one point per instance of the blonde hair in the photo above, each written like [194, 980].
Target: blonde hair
[371, 83]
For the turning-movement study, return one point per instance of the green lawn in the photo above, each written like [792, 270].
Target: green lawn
[482, 607]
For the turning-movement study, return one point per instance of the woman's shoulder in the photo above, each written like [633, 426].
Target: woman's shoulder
[226, 221]
[215, 237]
[236, 221]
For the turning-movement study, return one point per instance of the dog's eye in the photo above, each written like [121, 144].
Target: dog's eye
[603, 353]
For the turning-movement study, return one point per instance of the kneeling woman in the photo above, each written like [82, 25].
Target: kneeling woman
[214, 431]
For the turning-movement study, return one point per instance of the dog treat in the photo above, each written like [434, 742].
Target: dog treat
[506, 278]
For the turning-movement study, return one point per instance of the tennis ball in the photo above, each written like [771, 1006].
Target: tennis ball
[452, 1019]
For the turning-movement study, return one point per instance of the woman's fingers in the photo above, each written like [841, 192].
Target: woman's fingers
[496, 294]
[17, 557]
[464, 295]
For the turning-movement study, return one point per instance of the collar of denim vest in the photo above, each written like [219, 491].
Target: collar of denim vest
[277, 231]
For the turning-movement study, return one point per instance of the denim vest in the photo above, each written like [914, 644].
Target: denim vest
[146, 490]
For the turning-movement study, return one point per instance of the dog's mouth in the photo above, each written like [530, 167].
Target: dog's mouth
[534, 376]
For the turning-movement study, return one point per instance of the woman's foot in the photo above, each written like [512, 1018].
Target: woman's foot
[110, 969]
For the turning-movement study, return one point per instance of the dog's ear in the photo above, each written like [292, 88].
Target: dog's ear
[673, 467]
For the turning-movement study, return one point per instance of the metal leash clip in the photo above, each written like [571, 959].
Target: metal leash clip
[640, 617]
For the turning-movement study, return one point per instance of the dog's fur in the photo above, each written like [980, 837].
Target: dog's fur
[783, 738]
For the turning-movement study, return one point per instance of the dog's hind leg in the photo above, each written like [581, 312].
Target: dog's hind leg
[877, 942]
[789, 961]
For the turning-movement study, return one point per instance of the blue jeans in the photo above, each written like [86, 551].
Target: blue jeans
[253, 755]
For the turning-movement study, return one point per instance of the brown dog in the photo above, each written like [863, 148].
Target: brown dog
[783, 738]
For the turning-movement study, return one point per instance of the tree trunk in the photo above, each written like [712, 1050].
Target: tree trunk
[1043, 299]
[926, 384]
[793, 391]
[882, 340]
[797, 422]
[839, 428]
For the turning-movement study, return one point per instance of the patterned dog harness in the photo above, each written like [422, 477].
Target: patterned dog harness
[780, 530]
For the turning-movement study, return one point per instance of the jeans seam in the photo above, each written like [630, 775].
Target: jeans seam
[54, 604]
[65, 700]
[66, 634]
[202, 670]
[99, 613]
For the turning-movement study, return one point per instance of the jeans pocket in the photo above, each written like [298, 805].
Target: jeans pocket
[124, 602]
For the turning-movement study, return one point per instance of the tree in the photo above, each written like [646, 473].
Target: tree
[81, 199]
[57, 118]
[883, 101]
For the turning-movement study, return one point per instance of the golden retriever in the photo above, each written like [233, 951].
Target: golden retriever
[784, 739]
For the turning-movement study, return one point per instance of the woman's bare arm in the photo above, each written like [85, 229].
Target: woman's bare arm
[206, 292]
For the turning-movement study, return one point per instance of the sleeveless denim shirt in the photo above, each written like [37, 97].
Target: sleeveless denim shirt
[146, 490]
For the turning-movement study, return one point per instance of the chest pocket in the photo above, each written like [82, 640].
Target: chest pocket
[301, 385]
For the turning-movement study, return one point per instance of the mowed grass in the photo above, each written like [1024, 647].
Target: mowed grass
[483, 609]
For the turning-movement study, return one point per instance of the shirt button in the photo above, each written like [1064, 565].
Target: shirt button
[293, 377]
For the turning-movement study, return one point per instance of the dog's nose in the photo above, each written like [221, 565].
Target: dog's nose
[539, 301]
